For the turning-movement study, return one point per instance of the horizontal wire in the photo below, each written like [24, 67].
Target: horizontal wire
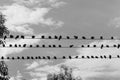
[69, 38]
[58, 37]
[59, 46]
[63, 57]
[47, 47]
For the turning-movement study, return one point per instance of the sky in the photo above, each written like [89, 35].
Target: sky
[62, 17]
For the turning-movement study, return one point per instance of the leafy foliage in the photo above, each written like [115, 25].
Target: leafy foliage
[3, 71]
[65, 74]
[3, 66]
[3, 29]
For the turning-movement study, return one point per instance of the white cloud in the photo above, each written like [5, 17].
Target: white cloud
[96, 67]
[115, 22]
[20, 17]
[12, 78]
[48, 69]
[33, 65]
[50, 3]
[18, 76]
[27, 2]
[42, 69]
[58, 4]
[42, 72]
[25, 29]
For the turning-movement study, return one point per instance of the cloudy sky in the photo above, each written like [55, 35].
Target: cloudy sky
[62, 17]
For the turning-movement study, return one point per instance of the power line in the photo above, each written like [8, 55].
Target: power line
[57, 58]
[60, 37]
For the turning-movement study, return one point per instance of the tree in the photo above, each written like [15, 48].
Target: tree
[3, 66]
[3, 71]
[3, 29]
[65, 74]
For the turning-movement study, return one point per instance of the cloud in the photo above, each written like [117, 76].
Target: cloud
[23, 19]
[48, 69]
[28, 2]
[12, 78]
[42, 72]
[40, 69]
[115, 22]
[17, 77]
[96, 67]
[20, 17]
[35, 64]
[50, 3]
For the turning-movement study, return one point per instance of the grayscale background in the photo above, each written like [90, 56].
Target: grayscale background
[63, 17]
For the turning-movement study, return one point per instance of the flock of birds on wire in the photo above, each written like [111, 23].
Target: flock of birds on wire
[59, 46]
[75, 37]
[59, 37]
[63, 57]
